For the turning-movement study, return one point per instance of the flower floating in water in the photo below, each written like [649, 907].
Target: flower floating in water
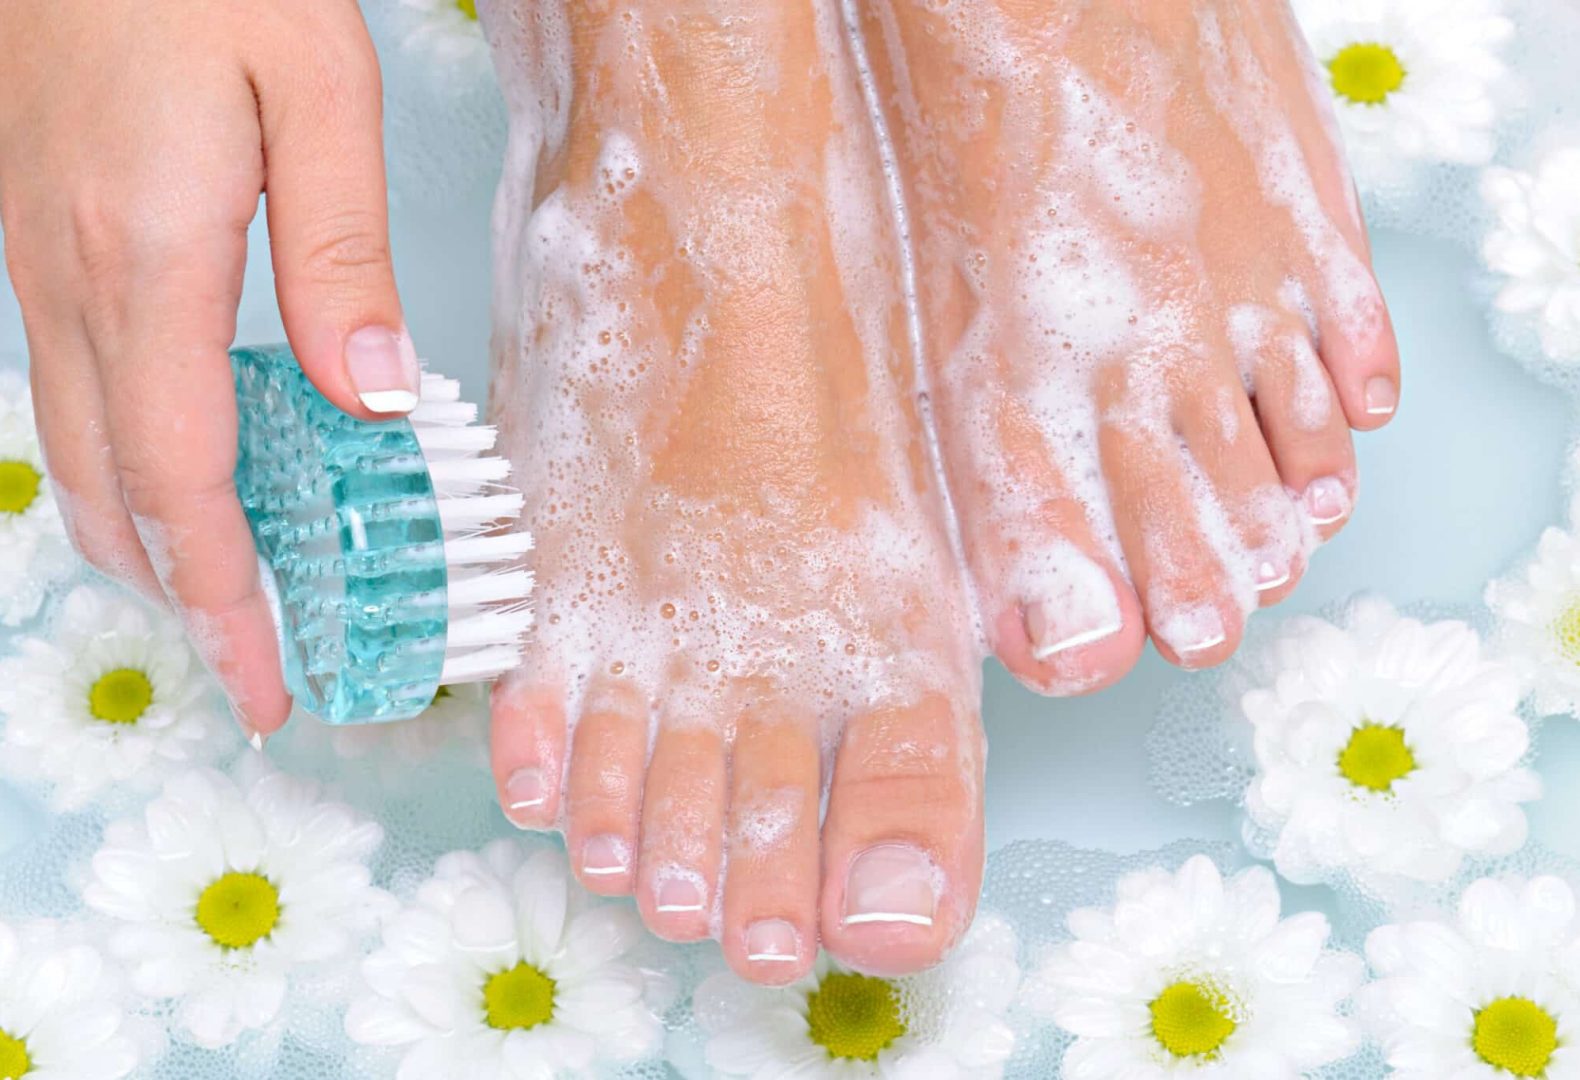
[459, 714]
[1490, 994]
[59, 1012]
[1189, 973]
[1411, 80]
[1388, 749]
[446, 29]
[34, 552]
[1535, 245]
[222, 891]
[502, 968]
[1538, 612]
[837, 1024]
[114, 696]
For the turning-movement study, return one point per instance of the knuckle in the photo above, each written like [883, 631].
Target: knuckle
[157, 492]
[347, 246]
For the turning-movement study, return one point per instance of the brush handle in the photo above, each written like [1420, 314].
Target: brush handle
[349, 542]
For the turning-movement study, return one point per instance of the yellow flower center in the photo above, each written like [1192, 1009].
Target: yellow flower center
[19, 483]
[468, 8]
[1517, 1035]
[1366, 73]
[1192, 1019]
[854, 1016]
[522, 997]
[1375, 757]
[121, 696]
[239, 910]
[14, 1062]
[1566, 629]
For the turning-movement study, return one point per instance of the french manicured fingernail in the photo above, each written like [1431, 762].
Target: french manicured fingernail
[1382, 396]
[524, 791]
[383, 367]
[772, 941]
[605, 856]
[1327, 500]
[1054, 630]
[891, 883]
[678, 895]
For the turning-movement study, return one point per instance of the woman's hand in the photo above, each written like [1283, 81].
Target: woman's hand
[135, 139]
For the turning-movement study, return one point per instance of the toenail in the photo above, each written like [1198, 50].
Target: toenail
[525, 790]
[1270, 575]
[1382, 396]
[891, 883]
[605, 856]
[772, 941]
[1327, 500]
[1057, 630]
[678, 895]
[1192, 630]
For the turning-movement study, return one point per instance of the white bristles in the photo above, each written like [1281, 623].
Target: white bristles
[489, 587]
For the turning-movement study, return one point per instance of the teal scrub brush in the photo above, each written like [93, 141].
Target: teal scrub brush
[387, 548]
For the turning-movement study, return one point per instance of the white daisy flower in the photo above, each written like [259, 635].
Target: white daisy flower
[1189, 973]
[1486, 995]
[1535, 245]
[60, 1013]
[34, 552]
[1538, 611]
[1412, 80]
[1388, 749]
[836, 1024]
[501, 969]
[114, 696]
[447, 30]
[458, 714]
[222, 891]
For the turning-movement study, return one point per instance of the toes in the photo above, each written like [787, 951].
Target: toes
[682, 830]
[1306, 429]
[1079, 628]
[1255, 528]
[603, 797]
[1362, 357]
[902, 842]
[1192, 613]
[527, 743]
[770, 898]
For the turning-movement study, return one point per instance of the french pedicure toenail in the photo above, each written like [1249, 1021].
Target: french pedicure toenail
[1382, 396]
[1327, 500]
[605, 856]
[524, 790]
[1058, 630]
[678, 896]
[1188, 632]
[891, 883]
[772, 941]
[1270, 575]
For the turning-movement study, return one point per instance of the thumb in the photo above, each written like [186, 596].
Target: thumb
[321, 117]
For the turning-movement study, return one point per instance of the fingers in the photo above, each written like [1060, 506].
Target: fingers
[170, 408]
[328, 222]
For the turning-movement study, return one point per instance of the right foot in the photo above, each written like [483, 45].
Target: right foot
[744, 579]
[1147, 308]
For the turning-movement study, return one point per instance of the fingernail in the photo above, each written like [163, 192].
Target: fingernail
[1053, 631]
[383, 369]
[1382, 396]
[679, 895]
[1327, 500]
[772, 941]
[525, 790]
[605, 856]
[1270, 575]
[891, 883]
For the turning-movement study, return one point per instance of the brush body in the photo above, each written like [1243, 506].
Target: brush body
[382, 544]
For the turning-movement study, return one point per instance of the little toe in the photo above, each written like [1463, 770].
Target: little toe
[528, 751]
[902, 841]
[770, 898]
[682, 832]
[603, 796]
[1306, 430]
[1361, 355]
[1193, 615]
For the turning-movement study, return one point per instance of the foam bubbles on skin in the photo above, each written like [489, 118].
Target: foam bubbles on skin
[1254, 336]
